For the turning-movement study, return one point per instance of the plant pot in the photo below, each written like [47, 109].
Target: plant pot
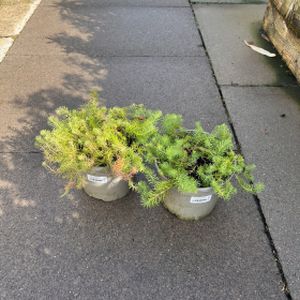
[101, 184]
[191, 206]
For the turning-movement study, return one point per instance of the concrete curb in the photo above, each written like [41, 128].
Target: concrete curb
[6, 42]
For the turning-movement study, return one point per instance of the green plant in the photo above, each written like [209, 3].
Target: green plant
[187, 160]
[96, 136]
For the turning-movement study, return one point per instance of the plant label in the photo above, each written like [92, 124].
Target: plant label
[199, 200]
[97, 179]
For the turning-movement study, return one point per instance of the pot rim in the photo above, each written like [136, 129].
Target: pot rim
[104, 169]
[205, 189]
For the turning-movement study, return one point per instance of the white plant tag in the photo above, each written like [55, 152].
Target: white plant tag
[97, 179]
[203, 199]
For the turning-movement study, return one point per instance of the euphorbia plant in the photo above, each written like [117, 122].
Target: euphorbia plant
[192, 159]
[95, 136]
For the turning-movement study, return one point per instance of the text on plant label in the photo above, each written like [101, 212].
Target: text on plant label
[202, 199]
[97, 179]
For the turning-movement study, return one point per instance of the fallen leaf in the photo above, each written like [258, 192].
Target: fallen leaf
[259, 50]
[265, 37]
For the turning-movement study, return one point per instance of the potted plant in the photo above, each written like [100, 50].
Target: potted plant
[97, 148]
[193, 168]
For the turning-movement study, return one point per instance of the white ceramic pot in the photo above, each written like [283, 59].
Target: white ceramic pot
[191, 206]
[101, 184]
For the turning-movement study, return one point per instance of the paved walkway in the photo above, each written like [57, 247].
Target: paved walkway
[143, 51]
[262, 99]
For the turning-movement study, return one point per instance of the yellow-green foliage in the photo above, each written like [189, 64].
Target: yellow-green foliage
[96, 136]
[188, 160]
[132, 139]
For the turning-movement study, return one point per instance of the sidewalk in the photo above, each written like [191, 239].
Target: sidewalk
[262, 98]
[142, 51]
